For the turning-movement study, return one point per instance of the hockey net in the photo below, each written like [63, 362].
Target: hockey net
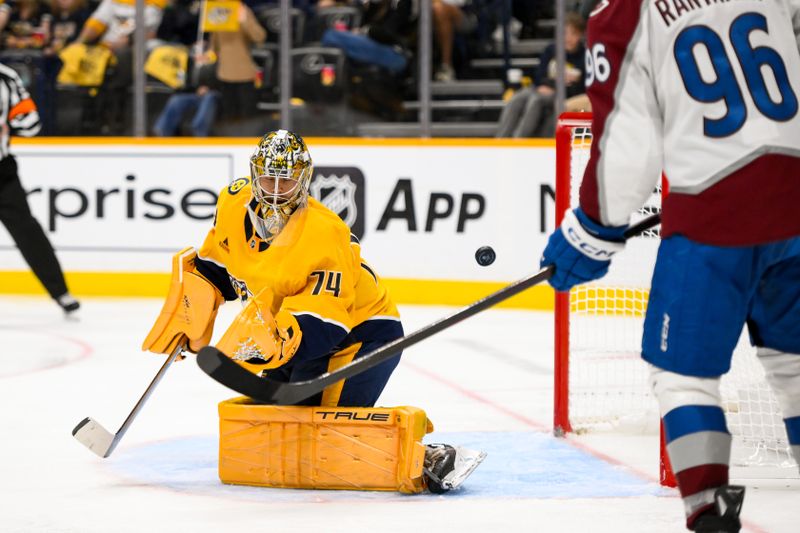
[601, 383]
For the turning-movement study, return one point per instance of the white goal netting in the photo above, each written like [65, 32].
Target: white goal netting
[608, 382]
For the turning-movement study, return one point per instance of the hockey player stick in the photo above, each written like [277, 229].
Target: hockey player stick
[227, 372]
[91, 434]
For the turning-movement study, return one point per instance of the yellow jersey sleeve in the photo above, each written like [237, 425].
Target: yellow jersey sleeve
[213, 256]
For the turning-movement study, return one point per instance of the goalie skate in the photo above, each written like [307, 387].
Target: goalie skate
[446, 467]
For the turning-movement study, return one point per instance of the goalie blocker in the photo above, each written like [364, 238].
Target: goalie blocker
[188, 314]
[336, 448]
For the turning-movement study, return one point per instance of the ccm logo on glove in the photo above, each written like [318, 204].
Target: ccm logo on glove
[582, 241]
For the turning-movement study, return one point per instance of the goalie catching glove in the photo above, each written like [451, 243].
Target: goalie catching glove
[187, 317]
[581, 250]
[258, 337]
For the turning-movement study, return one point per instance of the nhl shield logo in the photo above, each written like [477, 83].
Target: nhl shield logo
[341, 189]
[338, 195]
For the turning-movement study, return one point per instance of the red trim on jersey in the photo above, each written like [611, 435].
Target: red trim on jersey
[756, 204]
[614, 26]
[699, 478]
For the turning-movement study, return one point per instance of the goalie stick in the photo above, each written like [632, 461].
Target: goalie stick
[94, 436]
[265, 390]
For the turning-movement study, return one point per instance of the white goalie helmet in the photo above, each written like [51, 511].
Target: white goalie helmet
[281, 170]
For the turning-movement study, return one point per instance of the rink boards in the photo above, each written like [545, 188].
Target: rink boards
[117, 209]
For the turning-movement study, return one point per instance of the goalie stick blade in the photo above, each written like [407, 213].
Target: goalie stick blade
[227, 372]
[94, 436]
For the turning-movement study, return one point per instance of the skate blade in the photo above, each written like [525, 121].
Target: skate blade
[466, 462]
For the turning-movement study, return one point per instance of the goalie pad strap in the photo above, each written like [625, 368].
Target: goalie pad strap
[322, 447]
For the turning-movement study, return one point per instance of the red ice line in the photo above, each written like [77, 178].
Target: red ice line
[546, 428]
[85, 351]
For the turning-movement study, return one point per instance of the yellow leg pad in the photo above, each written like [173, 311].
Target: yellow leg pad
[322, 447]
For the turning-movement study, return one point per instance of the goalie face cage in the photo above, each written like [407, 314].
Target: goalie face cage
[601, 383]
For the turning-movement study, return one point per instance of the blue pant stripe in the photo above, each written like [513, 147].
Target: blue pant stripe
[688, 419]
[793, 430]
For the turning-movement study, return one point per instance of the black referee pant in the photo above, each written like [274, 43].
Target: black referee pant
[15, 214]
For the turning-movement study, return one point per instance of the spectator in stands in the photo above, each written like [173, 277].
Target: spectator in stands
[5, 14]
[28, 26]
[199, 100]
[180, 21]
[528, 13]
[449, 18]
[112, 24]
[69, 16]
[530, 111]
[384, 39]
[267, 12]
[321, 19]
[236, 70]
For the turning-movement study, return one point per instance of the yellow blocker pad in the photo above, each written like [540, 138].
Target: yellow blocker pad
[322, 447]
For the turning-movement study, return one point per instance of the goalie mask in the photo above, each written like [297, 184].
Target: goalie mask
[281, 171]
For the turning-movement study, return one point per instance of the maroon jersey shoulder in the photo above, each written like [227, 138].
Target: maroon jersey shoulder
[609, 33]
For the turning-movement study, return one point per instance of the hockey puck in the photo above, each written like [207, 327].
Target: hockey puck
[485, 255]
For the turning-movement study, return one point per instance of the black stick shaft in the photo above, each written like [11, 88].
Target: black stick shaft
[643, 225]
[393, 348]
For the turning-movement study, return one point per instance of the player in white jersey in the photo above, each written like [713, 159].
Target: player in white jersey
[707, 92]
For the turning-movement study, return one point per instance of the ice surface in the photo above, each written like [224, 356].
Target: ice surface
[485, 383]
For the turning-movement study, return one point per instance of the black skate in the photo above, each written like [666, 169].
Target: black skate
[68, 303]
[446, 467]
[724, 517]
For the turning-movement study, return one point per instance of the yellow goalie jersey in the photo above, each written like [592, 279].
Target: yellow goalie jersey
[313, 268]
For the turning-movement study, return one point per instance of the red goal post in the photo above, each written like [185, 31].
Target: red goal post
[565, 128]
[573, 145]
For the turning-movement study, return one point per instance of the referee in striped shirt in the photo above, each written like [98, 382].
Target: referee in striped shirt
[18, 116]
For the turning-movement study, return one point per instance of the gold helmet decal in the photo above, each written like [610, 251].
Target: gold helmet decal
[281, 170]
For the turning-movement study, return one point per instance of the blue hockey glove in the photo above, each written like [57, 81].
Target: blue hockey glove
[581, 250]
